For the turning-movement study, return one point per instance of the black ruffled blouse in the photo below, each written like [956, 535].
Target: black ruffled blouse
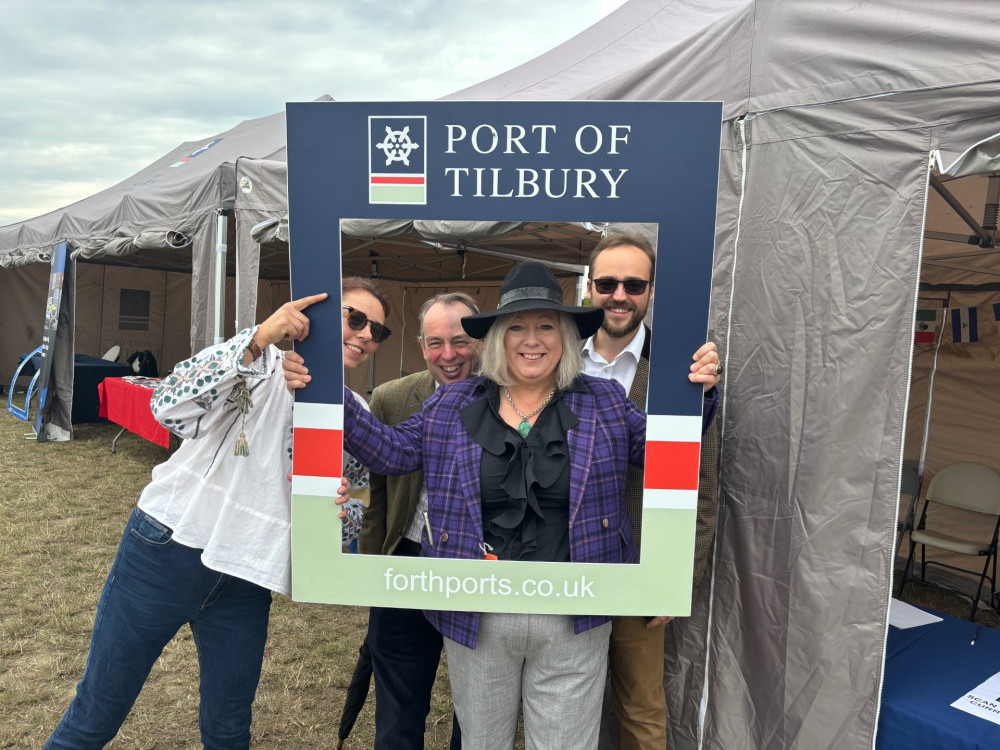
[524, 482]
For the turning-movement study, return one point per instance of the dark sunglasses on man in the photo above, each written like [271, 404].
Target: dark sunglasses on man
[632, 286]
[357, 320]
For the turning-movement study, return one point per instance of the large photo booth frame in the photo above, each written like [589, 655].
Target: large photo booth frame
[619, 162]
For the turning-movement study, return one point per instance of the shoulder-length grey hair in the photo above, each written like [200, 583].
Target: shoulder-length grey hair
[493, 361]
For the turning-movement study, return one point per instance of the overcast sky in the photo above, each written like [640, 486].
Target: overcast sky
[93, 90]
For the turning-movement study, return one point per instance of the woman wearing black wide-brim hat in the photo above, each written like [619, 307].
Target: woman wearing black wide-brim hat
[532, 286]
[509, 457]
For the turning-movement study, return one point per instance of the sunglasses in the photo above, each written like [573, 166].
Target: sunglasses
[357, 320]
[632, 286]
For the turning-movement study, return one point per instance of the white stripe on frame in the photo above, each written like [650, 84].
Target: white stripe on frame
[670, 499]
[315, 486]
[318, 416]
[670, 428]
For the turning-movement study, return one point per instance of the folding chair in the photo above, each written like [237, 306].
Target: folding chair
[970, 487]
[909, 485]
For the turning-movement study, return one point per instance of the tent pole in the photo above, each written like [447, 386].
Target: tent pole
[930, 404]
[236, 266]
[222, 228]
[910, 511]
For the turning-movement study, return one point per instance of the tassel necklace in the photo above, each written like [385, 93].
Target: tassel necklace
[524, 426]
[241, 396]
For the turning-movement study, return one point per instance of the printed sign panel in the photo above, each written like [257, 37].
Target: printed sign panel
[649, 162]
[52, 306]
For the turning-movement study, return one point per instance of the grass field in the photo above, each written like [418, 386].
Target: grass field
[62, 510]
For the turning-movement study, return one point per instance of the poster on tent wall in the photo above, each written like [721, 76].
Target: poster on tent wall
[52, 307]
[649, 162]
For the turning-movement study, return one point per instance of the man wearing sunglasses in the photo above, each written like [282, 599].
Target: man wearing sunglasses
[621, 283]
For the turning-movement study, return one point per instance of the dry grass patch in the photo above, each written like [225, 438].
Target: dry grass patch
[62, 510]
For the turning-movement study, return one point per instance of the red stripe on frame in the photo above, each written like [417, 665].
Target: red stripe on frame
[317, 453]
[397, 180]
[672, 466]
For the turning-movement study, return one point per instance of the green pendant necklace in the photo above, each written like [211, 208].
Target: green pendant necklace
[524, 426]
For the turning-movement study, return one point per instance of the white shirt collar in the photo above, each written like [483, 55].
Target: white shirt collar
[624, 366]
[634, 348]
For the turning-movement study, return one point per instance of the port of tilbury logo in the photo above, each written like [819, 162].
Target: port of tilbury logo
[397, 160]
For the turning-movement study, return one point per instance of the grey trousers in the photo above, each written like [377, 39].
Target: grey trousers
[537, 660]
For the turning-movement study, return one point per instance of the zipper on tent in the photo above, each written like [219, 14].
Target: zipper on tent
[703, 703]
[902, 446]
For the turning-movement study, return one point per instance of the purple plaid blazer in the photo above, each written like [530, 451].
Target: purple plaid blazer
[610, 435]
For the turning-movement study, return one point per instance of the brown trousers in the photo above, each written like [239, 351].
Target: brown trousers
[636, 657]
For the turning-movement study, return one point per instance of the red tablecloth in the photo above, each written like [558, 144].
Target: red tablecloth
[126, 403]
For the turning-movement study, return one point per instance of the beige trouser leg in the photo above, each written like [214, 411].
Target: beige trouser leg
[636, 656]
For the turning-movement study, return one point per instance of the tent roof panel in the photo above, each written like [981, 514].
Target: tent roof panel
[630, 38]
[761, 55]
[171, 193]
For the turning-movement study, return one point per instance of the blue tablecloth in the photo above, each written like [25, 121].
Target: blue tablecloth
[88, 373]
[927, 668]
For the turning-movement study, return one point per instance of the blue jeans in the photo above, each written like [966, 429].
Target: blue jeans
[405, 651]
[156, 586]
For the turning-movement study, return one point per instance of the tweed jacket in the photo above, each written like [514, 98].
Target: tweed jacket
[708, 482]
[611, 433]
[393, 500]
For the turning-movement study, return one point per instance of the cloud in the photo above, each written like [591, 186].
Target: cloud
[94, 90]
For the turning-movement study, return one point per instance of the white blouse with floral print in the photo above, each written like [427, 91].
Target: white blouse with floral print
[236, 508]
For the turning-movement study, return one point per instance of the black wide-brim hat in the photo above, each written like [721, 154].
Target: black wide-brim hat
[532, 286]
